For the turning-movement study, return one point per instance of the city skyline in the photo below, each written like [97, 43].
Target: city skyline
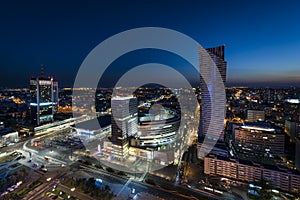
[149, 100]
[261, 43]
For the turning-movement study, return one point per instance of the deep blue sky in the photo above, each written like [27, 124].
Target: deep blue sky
[262, 37]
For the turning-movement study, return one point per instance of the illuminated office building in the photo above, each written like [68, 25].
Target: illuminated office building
[8, 136]
[159, 129]
[292, 128]
[217, 55]
[255, 115]
[44, 99]
[55, 97]
[259, 138]
[280, 177]
[124, 124]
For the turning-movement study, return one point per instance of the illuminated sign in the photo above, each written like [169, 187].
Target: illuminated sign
[42, 104]
[45, 82]
[293, 100]
[258, 128]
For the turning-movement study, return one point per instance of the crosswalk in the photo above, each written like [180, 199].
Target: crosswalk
[126, 184]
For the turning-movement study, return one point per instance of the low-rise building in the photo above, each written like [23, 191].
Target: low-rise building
[255, 115]
[278, 176]
[8, 136]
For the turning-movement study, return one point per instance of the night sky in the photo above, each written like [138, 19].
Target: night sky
[262, 37]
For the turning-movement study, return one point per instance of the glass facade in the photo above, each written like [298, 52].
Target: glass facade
[44, 98]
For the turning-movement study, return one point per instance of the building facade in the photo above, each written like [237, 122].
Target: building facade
[259, 139]
[8, 136]
[255, 115]
[124, 124]
[44, 99]
[292, 128]
[280, 177]
[217, 55]
[157, 130]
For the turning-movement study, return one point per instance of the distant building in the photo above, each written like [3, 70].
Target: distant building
[259, 138]
[292, 109]
[292, 128]
[124, 124]
[7, 137]
[255, 115]
[217, 55]
[44, 99]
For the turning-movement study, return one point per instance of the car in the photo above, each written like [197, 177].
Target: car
[30, 160]
[44, 169]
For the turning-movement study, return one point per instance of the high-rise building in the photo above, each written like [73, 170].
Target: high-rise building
[8, 136]
[124, 124]
[217, 55]
[292, 109]
[55, 96]
[297, 154]
[44, 99]
[292, 128]
[255, 115]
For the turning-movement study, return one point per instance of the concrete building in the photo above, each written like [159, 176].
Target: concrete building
[7, 137]
[255, 115]
[280, 177]
[292, 109]
[292, 128]
[259, 138]
[297, 155]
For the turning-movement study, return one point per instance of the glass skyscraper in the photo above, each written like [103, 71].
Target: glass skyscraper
[124, 124]
[217, 55]
[44, 99]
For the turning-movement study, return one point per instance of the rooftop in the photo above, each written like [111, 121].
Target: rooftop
[93, 124]
[260, 126]
[5, 131]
